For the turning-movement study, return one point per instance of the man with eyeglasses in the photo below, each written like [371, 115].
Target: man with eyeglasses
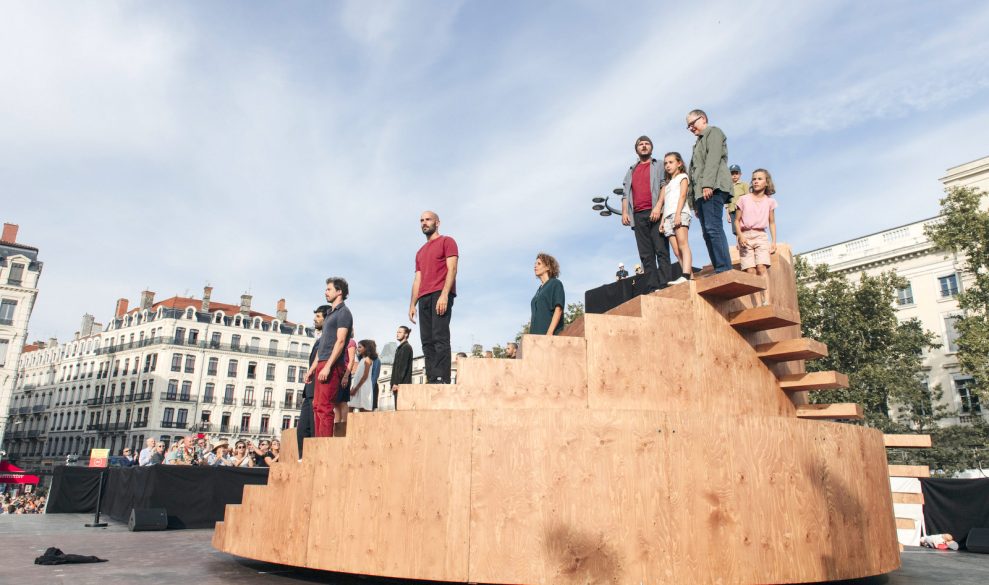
[710, 184]
[641, 210]
[158, 457]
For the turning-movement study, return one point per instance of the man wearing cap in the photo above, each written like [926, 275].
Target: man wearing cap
[740, 188]
[642, 211]
[710, 185]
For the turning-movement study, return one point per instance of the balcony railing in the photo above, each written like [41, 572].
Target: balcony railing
[94, 401]
[39, 408]
[93, 427]
[174, 424]
[17, 434]
[290, 406]
[180, 397]
[142, 397]
[34, 433]
[229, 400]
[140, 424]
[209, 399]
[24, 410]
[248, 402]
[239, 348]
[267, 404]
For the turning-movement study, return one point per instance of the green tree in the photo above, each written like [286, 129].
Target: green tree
[477, 350]
[881, 356]
[963, 229]
[953, 448]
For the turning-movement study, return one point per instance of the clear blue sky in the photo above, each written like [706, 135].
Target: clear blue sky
[263, 146]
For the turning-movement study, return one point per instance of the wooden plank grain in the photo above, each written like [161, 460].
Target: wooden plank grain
[907, 441]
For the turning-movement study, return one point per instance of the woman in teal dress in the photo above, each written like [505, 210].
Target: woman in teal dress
[549, 300]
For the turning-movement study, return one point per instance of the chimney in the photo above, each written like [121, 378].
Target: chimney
[88, 323]
[52, 342]
[9, 232]
[207, 291]
[121, 308]
[245, 304]
[280, 312]
[147, 299]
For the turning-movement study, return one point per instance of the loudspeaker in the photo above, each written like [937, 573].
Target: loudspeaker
[978, 540]
[147, 519]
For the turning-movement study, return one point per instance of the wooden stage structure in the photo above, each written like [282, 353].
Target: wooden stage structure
[667, 441]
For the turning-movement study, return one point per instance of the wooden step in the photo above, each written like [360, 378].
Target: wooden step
[905, 498]
[842, 411]
[908, 441]
[730, 285]
[909, 471]
[814, 381]
[763, 318]
[802, 348]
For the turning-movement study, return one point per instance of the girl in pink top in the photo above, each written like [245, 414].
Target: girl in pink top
[755, 214]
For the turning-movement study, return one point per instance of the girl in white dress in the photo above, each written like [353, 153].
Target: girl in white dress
[362, 386]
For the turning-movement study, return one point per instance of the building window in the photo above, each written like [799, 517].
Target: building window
[176, 362]
[167, 416]
[16, 274]
[291, 374]
[273, 347]
[270, 373]
[186, 390]
[232, 369]
[193, 336]
[245, 423]
[208, 392]
[289, 398]
[179, 335]
[171, 393]
[7, 308]
[182, 419]
[264, 423]
[249, 394]
[286, 421]
[4, 346]
[204, 416]
[949, 286]
[252, 370]
[235, 341]
[190, 364]
[969, 399]
[302, 376]
[228, 394]
[215, 340]
[266, 398]
[904, 296]
[212, 365]
[951, 333]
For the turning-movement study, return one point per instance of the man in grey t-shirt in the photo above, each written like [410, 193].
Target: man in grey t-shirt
[328, 368]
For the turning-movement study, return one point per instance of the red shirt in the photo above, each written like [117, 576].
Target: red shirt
[641, 188]
[431, 262]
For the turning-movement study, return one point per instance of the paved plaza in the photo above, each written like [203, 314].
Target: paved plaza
[185, 557]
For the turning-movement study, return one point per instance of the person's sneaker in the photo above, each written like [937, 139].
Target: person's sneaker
[678, 281]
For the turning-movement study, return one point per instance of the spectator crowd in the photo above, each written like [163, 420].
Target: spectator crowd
[33, 503]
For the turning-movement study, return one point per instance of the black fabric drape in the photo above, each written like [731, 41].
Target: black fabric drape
[955, 506]
[195, 497]
[74, 490]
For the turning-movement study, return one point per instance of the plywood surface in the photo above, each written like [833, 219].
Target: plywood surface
[814, 381]
[843, 410]
[730, 285]
[907, 441]
[909, 471]
[801, 348]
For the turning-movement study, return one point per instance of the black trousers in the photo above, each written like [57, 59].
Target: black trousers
[434, 331]
[307, 424]
[654, 252]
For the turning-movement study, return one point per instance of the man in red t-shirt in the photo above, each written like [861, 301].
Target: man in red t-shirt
[433, 291]
[641, 209]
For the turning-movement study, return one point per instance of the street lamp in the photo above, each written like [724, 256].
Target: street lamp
[603, 207]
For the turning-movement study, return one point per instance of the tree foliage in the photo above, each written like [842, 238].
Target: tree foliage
[964, 229]
[881, 356]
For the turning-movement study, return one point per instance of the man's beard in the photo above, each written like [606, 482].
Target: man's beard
[429, 230]
[645, 157]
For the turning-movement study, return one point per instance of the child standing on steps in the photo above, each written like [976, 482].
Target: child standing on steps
[755, 214]
[676, 212]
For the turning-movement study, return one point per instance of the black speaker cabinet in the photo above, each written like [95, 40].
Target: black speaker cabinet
[147, 519]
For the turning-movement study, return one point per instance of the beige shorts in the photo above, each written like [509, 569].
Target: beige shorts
[668, 223]
[756, 249]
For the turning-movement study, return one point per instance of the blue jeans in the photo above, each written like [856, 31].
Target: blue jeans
[710, 211]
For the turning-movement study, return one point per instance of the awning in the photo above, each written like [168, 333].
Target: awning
[10, 473]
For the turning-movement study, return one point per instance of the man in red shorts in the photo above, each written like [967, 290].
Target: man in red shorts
[329, 367]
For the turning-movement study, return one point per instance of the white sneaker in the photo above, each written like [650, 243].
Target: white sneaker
[680, 280]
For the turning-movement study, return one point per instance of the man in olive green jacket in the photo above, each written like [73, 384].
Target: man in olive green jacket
[710, 184]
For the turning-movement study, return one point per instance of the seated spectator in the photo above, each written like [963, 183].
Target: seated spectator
[149, 448]
[128, 458]
[240, 457]
[273, 453]
[219, 456]
[158, 457]
[185, 454]
[262, 451]
[203, 447]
